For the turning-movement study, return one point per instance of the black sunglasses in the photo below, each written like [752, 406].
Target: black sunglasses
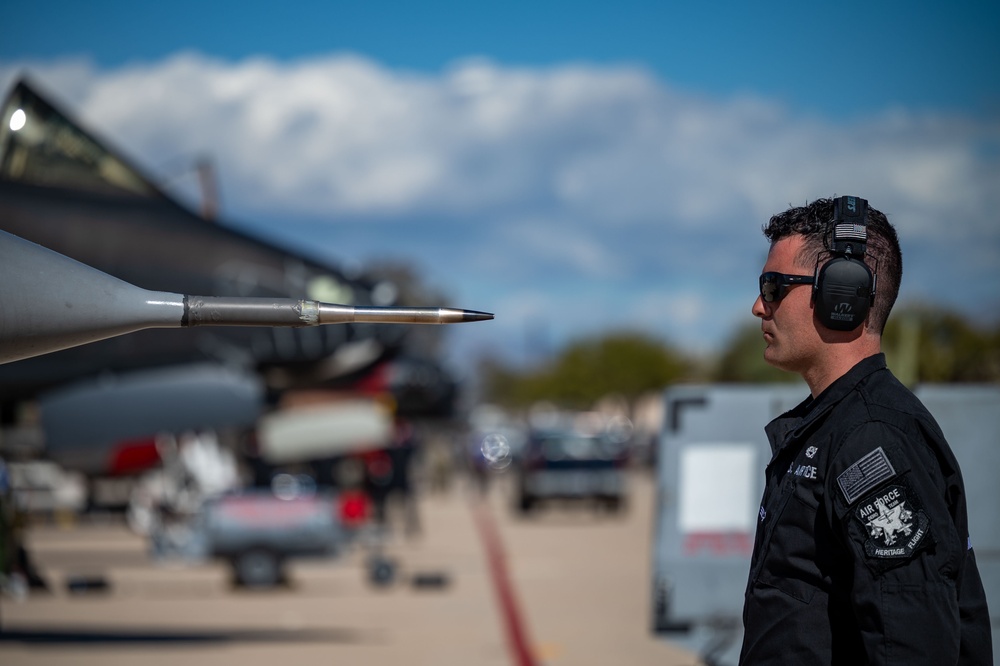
[773, 286]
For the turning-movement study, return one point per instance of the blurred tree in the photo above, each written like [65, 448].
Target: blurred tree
[922, 344]
[742, 359]
[624, 363]
[927, 344]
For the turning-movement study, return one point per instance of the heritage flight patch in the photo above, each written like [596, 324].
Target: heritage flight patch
[865, 474]
[895, 524]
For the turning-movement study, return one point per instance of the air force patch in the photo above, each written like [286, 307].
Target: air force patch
[895, 525]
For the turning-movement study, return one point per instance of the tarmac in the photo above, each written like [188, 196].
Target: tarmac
[478, 585]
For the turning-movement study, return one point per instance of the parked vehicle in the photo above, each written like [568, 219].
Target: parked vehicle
[257, 531]
[572, 463]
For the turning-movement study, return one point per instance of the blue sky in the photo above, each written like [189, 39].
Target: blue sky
[571, 166]
[913, 53]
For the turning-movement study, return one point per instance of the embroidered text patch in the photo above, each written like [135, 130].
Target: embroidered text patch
[895, 524]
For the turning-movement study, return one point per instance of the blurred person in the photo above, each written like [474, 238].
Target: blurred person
[402, 453]
[440, 463]
[7, 533]
[862, 553]
[478, 466]
[17, 570]
[378, 482]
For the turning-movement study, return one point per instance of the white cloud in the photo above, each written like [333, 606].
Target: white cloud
[584, 186]
[562, 247]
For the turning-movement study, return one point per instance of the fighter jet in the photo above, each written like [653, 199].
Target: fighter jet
[68, 190]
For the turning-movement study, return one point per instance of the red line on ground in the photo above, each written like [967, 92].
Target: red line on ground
[516, 633]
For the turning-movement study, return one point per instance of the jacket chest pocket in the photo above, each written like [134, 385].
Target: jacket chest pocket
[787, 559]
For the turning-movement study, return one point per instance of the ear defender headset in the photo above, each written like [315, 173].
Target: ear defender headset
[844, 288]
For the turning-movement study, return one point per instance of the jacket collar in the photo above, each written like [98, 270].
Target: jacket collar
[836, 391]
[794, 423]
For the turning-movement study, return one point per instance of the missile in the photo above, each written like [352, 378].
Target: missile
[49, 302]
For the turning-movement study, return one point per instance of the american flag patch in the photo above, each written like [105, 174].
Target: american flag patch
[858, 232]
[865, 474]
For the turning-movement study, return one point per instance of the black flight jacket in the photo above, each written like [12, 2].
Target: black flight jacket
[862, 553]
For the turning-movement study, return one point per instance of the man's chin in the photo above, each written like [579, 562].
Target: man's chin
[770, 354]
[772, 357]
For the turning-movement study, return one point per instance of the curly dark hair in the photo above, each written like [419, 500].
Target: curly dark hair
[883, 256]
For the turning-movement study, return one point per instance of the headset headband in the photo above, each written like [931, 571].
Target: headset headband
[850, 227]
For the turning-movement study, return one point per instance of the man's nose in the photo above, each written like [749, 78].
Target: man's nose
[760, 309]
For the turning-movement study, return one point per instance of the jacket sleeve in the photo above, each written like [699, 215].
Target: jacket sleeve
[890, 505]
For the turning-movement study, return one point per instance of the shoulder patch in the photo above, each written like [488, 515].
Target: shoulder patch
[865, 474]
[895, 524]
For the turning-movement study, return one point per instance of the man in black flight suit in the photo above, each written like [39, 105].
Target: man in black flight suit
[862, 554]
